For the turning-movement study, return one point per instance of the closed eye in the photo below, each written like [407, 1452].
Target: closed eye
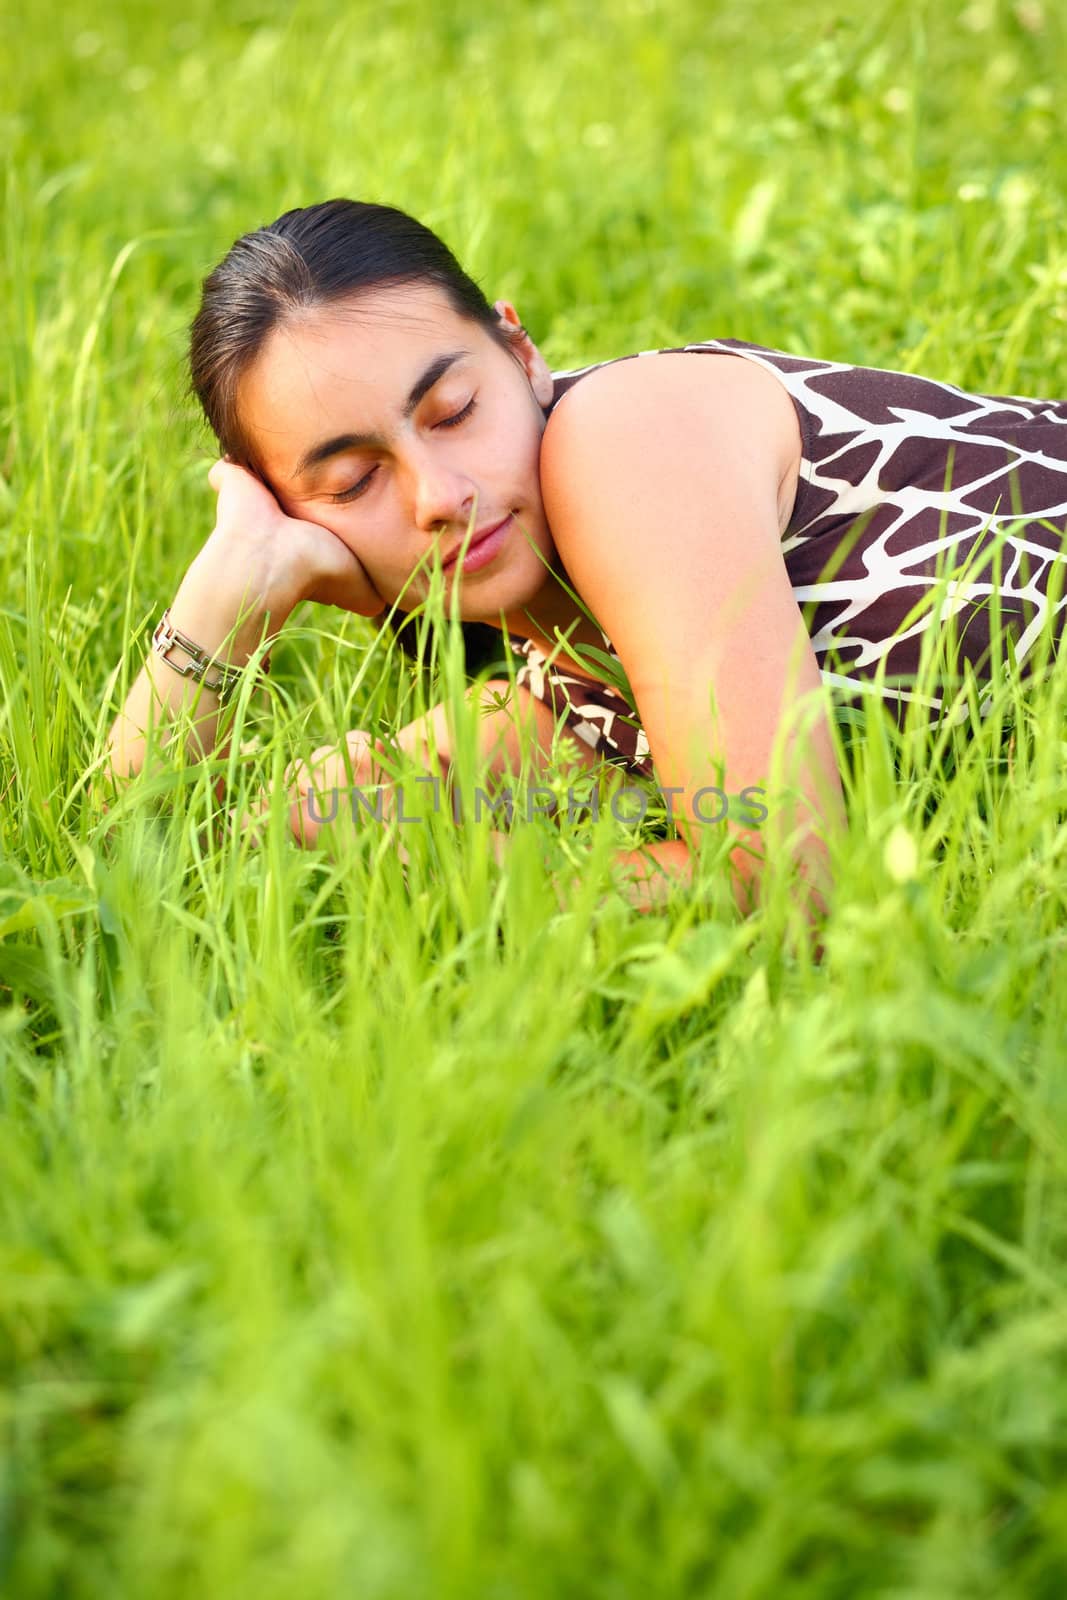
[460, 416]
[358, 489]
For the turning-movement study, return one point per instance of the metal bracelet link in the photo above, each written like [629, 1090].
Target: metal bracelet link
[200, 663]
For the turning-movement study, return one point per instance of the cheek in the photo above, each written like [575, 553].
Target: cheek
[376, 541]
[520, 447]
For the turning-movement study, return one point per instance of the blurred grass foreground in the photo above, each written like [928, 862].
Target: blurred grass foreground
[369, 1238]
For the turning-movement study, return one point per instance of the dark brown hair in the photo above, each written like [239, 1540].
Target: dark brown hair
[311, 257]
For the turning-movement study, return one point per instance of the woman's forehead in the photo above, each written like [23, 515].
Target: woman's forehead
[383, 325]
[359, 356]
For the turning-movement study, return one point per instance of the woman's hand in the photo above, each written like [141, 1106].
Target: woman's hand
[320, 789]
[274, 559]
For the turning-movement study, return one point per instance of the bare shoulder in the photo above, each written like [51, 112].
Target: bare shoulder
[660, 482]
[665, 404]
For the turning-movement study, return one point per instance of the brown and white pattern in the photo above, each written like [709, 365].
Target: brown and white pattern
[912, 493]
[595, 713]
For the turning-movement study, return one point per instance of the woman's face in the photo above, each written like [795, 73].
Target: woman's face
[398, 425]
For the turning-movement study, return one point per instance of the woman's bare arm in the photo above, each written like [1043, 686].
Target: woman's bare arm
[241, 587]
[512, 727]
[161, 696]
[662, 499]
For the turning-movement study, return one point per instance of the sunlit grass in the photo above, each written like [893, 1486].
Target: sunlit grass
[391, 1229]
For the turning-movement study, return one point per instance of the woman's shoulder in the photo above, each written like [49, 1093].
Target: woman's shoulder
[790, 370]
[676, 399]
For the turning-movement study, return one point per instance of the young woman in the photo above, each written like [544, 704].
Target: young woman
[379, 420]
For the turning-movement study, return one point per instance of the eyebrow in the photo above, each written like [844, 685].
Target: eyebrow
[363, 441]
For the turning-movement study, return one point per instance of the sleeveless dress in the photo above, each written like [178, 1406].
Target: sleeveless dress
[902, 479]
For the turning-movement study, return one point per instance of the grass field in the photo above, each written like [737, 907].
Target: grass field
[371, 1239]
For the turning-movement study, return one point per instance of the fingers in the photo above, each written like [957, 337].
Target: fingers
[319, 563]
[247, 825]
[314, 789]
[362, 748]
[217, 473]
[321, 778]
[341, 579]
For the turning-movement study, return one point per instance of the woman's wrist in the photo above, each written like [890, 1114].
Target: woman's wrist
[222, 621]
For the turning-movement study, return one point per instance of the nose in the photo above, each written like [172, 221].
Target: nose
[443, 496]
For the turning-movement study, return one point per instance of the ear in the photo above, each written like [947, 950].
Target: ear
[526, 353]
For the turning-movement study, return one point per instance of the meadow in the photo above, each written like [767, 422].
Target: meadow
[382, 1233]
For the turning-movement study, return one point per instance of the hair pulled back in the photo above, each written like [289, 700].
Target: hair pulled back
[309, 258]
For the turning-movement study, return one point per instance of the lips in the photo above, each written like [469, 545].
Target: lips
[477, 538]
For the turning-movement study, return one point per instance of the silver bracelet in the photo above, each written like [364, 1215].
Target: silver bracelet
[200, 663]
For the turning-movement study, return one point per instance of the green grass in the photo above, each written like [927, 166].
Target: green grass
[372, 1240]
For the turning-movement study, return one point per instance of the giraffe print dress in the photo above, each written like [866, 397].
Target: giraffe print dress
[919, 506]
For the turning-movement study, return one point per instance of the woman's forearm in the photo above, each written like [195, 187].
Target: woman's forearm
[161, 696]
